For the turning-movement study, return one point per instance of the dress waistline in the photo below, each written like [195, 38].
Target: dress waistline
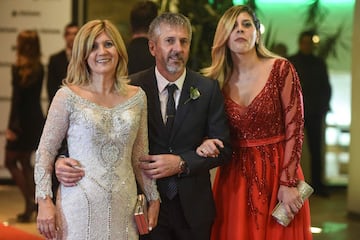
[260, 142]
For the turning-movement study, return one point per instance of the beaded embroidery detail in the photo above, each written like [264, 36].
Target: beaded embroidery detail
[108, 143]
[270, 129]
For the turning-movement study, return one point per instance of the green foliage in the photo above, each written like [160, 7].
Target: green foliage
[329, 43]
[204, 15]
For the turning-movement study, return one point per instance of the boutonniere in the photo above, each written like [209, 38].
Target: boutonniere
[194, 94]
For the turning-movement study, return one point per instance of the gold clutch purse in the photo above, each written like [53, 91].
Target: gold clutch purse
[140, 214]
[279, 212]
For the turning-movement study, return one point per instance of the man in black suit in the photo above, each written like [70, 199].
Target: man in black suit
[141, 16]
[316, 89]
[57, 67]
[187, 209]
[199, 115]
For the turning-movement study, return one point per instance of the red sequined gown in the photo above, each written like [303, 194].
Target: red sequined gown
[267, 140]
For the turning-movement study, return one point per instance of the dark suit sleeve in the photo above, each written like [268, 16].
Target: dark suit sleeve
[217, 127]
[57, 70]
[52, 83]
[325, 86]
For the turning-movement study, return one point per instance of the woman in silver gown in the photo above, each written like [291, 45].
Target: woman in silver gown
[104, 121]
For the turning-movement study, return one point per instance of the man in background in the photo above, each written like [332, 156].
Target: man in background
[138, 49]
[316, 88]
[57, 67]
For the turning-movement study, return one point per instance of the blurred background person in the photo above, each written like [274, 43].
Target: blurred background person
[280, 49]
[141, 16]
[26, 117]
[58, 62]
[316, 89]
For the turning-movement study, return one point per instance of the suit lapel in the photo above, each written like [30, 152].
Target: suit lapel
[151, 89]
[183, 107]
[149, 85]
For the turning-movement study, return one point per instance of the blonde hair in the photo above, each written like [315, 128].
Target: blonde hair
[78, 69]
[28, 55]
[222, 64]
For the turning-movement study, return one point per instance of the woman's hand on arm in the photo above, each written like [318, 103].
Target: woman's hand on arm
[210, 148]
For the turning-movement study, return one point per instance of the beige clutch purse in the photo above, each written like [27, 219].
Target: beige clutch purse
[279, 212]
[140, 215]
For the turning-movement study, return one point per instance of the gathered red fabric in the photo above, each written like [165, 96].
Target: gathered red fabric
[267, 138]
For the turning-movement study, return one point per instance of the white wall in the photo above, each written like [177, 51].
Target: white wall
[354, 176]
[49, 19]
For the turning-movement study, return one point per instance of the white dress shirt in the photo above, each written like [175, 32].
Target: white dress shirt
[163, 93]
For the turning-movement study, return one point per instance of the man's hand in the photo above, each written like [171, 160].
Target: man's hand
[160, 166]
[68, 171]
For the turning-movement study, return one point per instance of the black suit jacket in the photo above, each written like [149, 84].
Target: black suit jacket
[315, 83]
[57, 69]
[139, 55]
[194, 121]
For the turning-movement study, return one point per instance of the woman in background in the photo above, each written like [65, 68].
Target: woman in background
[26, 117]
[263, 100]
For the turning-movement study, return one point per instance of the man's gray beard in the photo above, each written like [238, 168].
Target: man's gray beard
[174, 68]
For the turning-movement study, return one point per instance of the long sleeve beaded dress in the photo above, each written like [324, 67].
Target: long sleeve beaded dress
[108, 143]
[267, 138]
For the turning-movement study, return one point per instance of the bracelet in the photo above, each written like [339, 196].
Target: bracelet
[183, 168]
[290, 183]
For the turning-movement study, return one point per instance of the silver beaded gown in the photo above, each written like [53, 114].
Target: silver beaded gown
[108, 143]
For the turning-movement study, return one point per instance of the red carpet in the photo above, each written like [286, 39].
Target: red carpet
[11, 233]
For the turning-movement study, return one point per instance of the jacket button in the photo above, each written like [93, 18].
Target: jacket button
[170, 150]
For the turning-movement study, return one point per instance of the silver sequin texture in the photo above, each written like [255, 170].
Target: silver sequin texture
[108, 143]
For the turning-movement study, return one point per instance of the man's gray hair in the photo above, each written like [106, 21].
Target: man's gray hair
[171, 19]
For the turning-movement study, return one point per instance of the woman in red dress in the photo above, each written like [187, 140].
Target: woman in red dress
[265, 109]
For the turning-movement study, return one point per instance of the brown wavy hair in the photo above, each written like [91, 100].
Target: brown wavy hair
[28, 55]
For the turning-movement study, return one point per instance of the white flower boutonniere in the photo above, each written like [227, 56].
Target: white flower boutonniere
[194, 94]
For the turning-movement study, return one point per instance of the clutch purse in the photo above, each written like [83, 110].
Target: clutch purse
[279, 212]
[140, 215]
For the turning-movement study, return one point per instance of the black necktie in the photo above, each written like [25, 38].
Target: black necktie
[170, 107]
[170, 116]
